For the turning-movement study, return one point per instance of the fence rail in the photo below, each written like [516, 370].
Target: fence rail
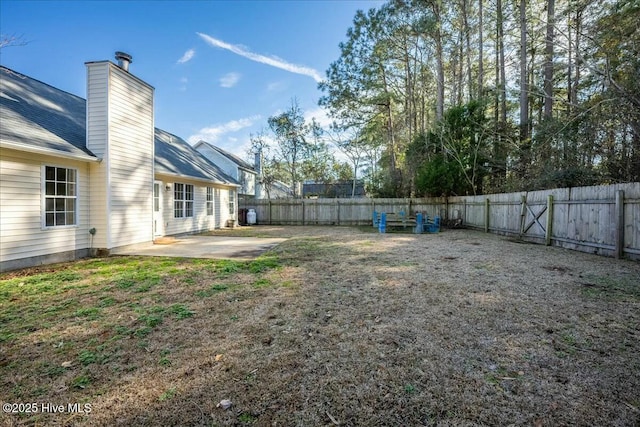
[599, 219]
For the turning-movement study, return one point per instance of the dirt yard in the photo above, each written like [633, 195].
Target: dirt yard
[336, 326]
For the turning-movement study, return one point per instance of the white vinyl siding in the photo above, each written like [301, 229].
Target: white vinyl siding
[22, 234]
[121, 132]
[231, 168]
[200, 221]
[131, 141]
[223, 162]
[97, 142]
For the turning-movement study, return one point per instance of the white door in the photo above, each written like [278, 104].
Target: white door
[158, 222]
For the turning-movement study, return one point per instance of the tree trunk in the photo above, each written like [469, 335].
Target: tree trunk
[548, 65]
[480, 89]
[524, 92]
[467, 36]
[502, 85]
[439, 61]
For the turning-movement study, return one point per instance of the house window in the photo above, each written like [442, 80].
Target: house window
[209, 201]
[156, 197]
[60, 196]
[232, 203]
[182, 200]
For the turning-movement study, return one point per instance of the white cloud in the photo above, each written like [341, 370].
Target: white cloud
[268, 60]
[229, 79]
[213, 134]
[188, 55]
[183, 84]
[321, 116]
[275, 86]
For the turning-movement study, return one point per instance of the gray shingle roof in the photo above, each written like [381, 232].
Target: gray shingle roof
[237, 160]
[38, 115]
[175, 156]
[35, 114]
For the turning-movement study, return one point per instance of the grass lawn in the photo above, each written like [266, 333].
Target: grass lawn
[335, 326]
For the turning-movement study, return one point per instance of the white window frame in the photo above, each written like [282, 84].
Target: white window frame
[52, 190]
[232, 203]
[183, 200]
[209, 202]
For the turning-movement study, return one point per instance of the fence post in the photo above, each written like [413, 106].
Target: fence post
[548, 231]
[523, 213]
[446, 207]
[619, 214]
[486, 215]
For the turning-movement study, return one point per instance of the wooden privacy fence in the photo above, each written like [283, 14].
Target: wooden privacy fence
[338, 211]
[600, 219]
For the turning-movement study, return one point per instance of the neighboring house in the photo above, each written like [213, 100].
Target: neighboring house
[78, 177]
[233, 166]
[249, 177]
[342, 189]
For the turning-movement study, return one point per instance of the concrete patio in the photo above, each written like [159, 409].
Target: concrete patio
[193, 246]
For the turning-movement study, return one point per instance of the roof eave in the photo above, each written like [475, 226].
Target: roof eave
[48, 151]
[193, 178]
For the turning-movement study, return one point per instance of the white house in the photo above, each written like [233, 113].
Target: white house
[249, 177]
[233, 166]
[88, 176]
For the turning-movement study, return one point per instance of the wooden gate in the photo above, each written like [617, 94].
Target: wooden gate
[536, 217]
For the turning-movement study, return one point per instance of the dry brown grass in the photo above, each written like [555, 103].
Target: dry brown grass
[353, 328]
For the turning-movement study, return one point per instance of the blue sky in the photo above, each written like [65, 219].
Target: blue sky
[219, 68]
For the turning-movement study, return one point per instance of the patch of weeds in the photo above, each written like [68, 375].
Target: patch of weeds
[169, 394]
[181, 311]
[409, 389]
[247, 418]
[262, 283]
[91, 313]
[567, 345]
[164, 360]
[214, 289]
[151, 318]
[81, 382]
[610, 288]
[66, 276]
[54, 371]
[189, 281]
[6, 336]
[87, 357]
[64, 305]
[124, 283]
[142, 332]
[262, 264]
[234, 318]
[106, 302]
[227, 267]
[496, 375]
[144, 287]
[122, 331]
[41, 390]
